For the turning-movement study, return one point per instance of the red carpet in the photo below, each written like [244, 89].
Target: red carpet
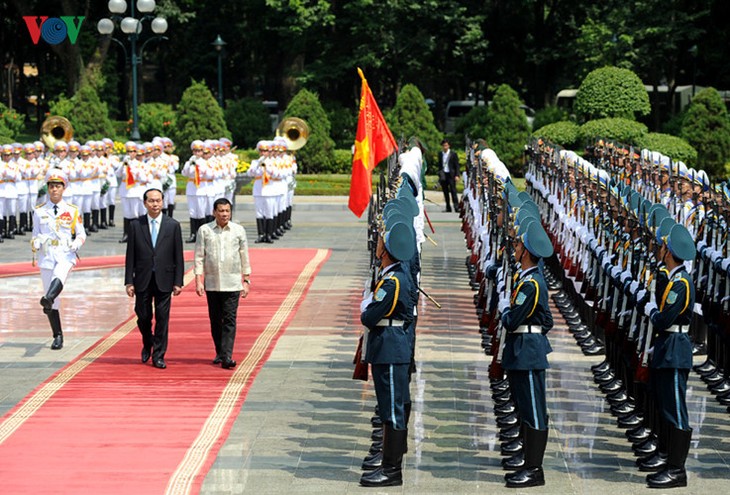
[108, 424]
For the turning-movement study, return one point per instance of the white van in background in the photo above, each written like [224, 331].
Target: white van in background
[456, 109]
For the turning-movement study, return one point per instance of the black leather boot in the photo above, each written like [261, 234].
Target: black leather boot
[102, 223]
[125, 231]
[390, 472]
[54, 289]
[674, 474]
[87, 222]
[21, 230]
[111, 215]
[13, 228]
[193, 230]
[260, 231]
[54, 317]
[94, 225]
[269, 229]
[7, 231]
[2, 230]
[170, 210]
[534, 449]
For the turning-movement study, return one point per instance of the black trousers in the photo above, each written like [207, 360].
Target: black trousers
[222, 310]
[143, 308]
[448, 186]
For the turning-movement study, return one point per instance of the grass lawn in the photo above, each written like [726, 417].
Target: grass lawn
[339, 184]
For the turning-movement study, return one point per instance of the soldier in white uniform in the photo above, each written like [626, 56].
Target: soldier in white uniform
[58, 233]
[9, 176]
[110, 184]
[194, 190]
[173, 165]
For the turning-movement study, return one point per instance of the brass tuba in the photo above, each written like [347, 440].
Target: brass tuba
[56, 128]
[295, 131]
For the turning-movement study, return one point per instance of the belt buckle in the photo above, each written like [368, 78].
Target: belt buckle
[54, 242]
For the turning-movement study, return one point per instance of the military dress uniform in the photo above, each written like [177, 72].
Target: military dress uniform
[386, 313]
[526, 318]
[671, 359]
[58, 233]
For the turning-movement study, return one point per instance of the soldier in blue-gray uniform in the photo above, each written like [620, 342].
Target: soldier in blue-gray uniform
[526, 318]
[387, 313]
[671, 358]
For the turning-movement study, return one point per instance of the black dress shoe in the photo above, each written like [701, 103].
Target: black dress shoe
[622, 409]
[638, 434]
[372, 461]
[720, 388]
[667, 478]
[504, 409]
[509, 433]
[655, 462]
[630, 421]
[146, 353]
[217, 360]
[159, 363]
[509, 420]
[618, 396]
[57, 342]
[525, 477]
[228, 364]
[593, 350]
[645, 448]
[514, 463]
[511, 448]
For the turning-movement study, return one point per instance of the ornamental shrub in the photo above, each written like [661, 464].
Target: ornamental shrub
[11, 122]
[563, 133]
[318, 154]
[411, 117]
[612, 92]
[672, 146]
[549, 115]
[707, 129]
[155, 119]
[249, 122]
[623, 130]
[343, 161]
[89, 116]
[198, 116]
[507, 129]
[474, 123]
[344, 124]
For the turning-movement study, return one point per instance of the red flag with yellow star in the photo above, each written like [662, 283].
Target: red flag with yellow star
[373, 143]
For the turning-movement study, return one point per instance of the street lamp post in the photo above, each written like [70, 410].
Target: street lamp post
[219, 44]
[132, 27]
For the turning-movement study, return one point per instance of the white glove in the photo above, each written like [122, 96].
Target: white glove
[640, 295]
[633, 287]
[366, 301]
[503, 304]
[76, 245]
[625, 275]
[649, 308]
[36, 244]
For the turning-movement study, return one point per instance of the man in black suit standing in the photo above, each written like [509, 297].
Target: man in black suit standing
[154, 272]
[448, 172]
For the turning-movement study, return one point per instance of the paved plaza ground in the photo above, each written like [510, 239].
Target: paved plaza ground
[304, 426]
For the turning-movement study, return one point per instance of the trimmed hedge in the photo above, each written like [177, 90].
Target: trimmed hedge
[566, 134]
[612, 92]
[622, 130]
[672, 146]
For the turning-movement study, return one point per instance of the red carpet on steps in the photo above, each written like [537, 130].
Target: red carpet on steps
[109, 424]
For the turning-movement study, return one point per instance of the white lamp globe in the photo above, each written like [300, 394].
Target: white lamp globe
[117, 6]
[105, 26]
[145, 5]
[159, 25]
[130, 25]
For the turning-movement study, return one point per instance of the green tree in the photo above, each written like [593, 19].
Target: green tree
[11, 122]
[612, 92]
[411, 117]
[198, 116]
[507, 128]
[318, 154]
[474, 123]
[707, 129]
[549, 115]
[155, 119]
[88, 115]
[249, 122]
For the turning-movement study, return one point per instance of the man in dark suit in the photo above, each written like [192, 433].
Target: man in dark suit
[448, 172]
[154, 272]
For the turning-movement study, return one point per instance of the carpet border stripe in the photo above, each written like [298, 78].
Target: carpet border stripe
[41, 396]
[182, 480]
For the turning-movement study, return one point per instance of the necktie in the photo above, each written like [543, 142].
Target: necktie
[55, 210]
[154, 233]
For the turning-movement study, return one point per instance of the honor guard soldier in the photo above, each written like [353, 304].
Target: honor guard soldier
[386, 313]
[58, 233]
[526, 318]
[671, 358]
[195, 191]
[9, 176]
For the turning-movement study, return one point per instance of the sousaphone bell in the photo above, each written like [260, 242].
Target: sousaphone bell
[56, 128]
[295, 131]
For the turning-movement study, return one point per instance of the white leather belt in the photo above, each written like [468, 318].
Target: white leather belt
[527, 329]
[389, 322]
[678, 329]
